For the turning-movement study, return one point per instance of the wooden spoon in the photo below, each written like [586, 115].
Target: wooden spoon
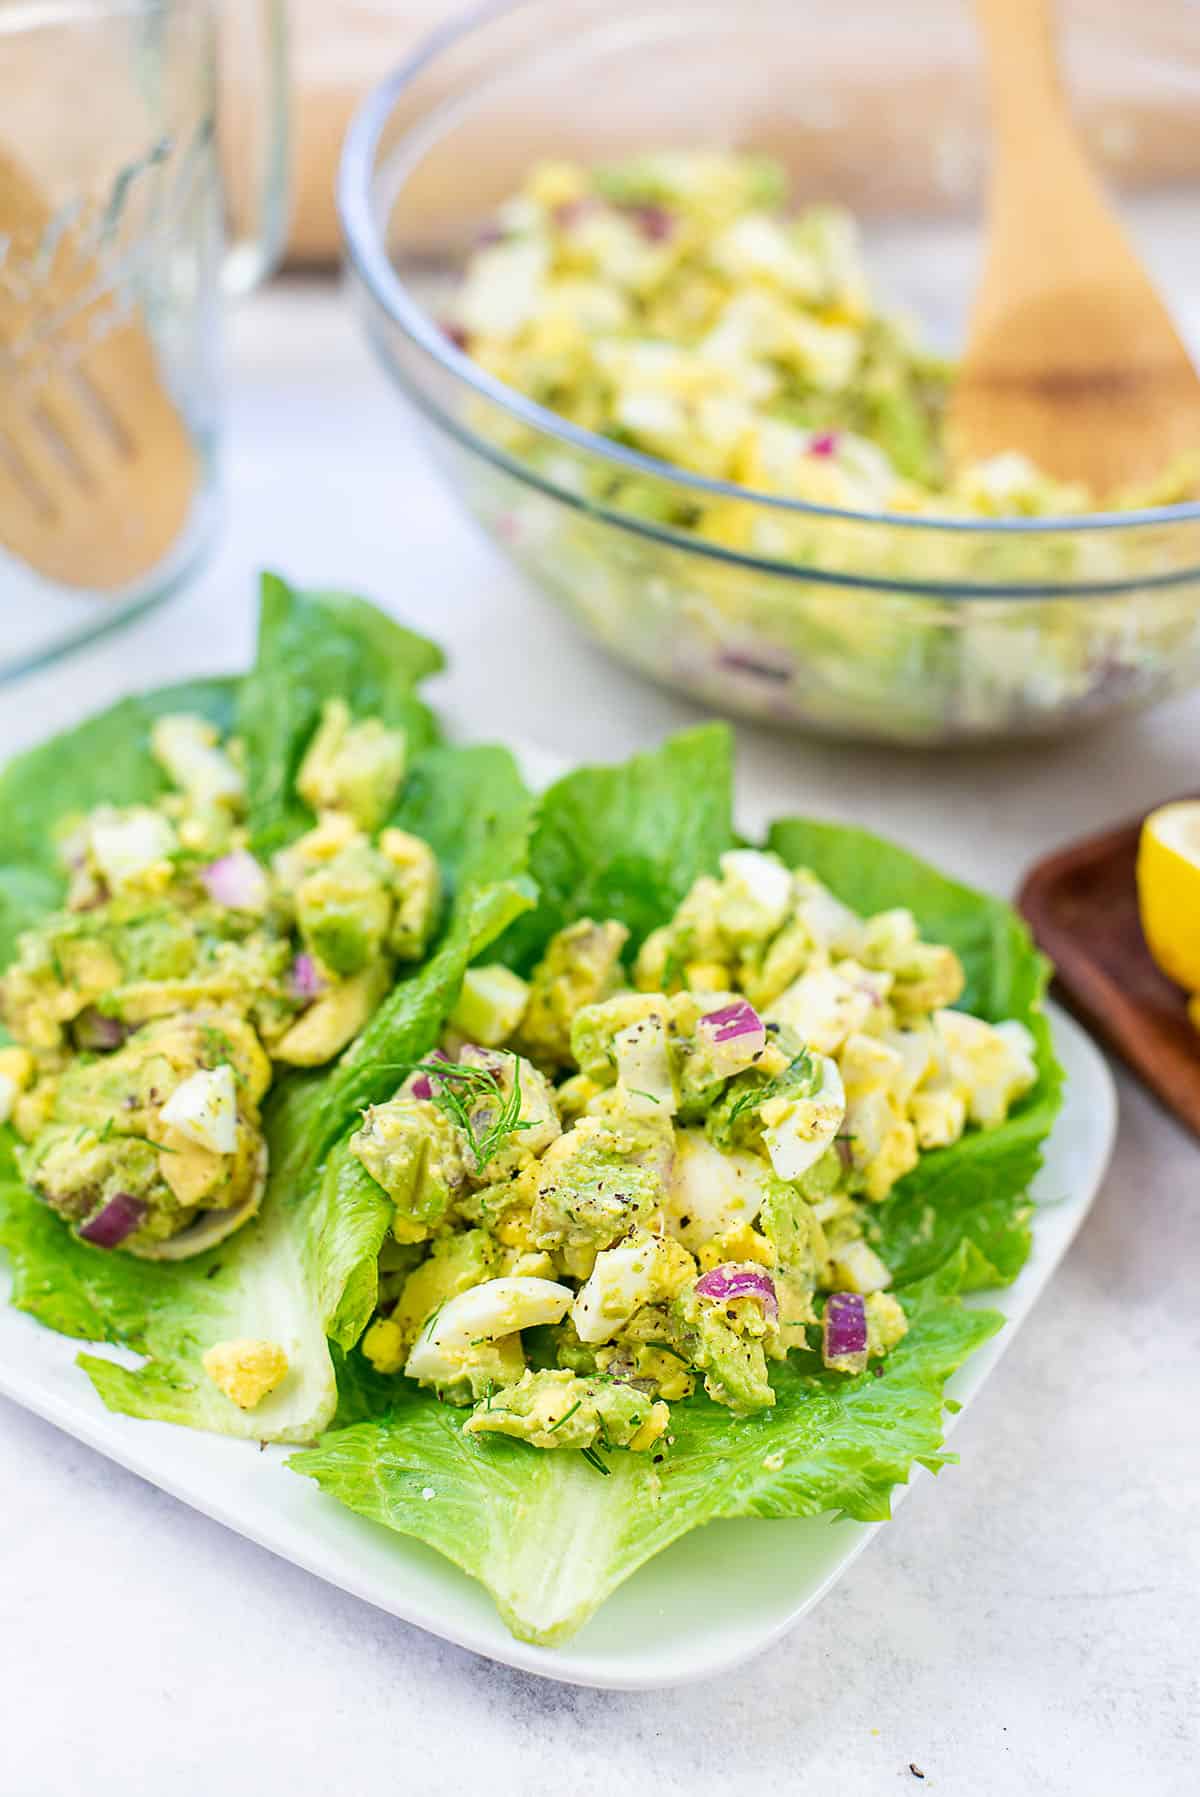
[1071, 356]
[97, 470]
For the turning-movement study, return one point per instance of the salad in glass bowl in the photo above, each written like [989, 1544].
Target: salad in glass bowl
[678, 405]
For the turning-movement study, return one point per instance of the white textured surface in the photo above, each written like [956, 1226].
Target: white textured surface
[1029, 1625]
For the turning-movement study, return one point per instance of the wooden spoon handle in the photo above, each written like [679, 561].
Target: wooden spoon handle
[1022, 61]
[1045, 204]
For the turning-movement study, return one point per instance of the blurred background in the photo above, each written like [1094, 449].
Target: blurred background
[1142, 118]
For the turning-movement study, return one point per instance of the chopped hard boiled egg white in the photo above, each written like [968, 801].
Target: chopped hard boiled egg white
[484, 1314]
[204, 1109]
[989, 1066]
[187, 748]
[645, 1269]
[827, 1004]
[857, 1268]
[125, 844]
[644, 1066]
[832, 926]
[711, 1191]
[797, 1131]
[757, 891]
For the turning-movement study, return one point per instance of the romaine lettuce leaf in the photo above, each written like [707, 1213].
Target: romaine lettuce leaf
[547, 1535]
[473, 808]
[628, 841]
[551, 1538]
[105, 758]
[264, 1281]
[256, 1284]
[311, 647]
[305, 1269]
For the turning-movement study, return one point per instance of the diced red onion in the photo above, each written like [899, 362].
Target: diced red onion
[472, 1055]
[236, 881]
[305, 979]
[844, 1148]
[730, 1281]
[845, 1327]
[93, 1031]
[733, 1021]
[119, 1218]
[655, 223]
[826, 444]
[421, 1086]
[456, 334]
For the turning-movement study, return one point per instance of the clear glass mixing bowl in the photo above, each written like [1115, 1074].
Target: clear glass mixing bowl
[876, 626]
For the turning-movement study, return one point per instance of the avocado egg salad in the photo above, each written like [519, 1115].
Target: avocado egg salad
[674, 303]
[561, 1171]
[149, 1013]
[679, 1178]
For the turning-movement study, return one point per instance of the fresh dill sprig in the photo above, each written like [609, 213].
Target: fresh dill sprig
[565, 1417]
[799, 1068]
[593, 1459]
[431, 1319]
[461, 1090]
[674, 971]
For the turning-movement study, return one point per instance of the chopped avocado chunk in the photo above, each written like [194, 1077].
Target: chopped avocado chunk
[417, 1156]
[417, 891]
[333, 1019]
[490, 1005]
[344, 909]
[594, 1183]
[580, 966]
[352, 767]
[556, 1408]
[925, 977]
[720, 1344]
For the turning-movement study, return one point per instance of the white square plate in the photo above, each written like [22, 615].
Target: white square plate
[713, 1599]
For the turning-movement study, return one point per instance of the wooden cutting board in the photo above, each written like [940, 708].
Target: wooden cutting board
[1081, 904]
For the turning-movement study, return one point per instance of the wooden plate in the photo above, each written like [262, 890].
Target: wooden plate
[1081, 904]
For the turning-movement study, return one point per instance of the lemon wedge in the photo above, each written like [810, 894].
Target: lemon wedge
[1168, 881]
